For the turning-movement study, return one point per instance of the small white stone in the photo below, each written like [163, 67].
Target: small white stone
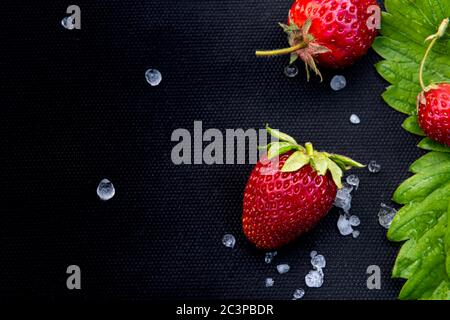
[313, 254]
[344, 226]
[353, 180]
[298, 294]
[68, 23]
[318, 261]
[354, 221]
[105, 190]
[355, 119]
[269, 256]
[229, 241]
[291, 71]
[269, 282]
[386, 215]
[153, 77]
[314, 279]
[355, 234]
[343, 199]
[374, 167]
[283, 268]
[338, 82]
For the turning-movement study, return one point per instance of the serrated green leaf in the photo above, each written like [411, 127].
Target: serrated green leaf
[428, 278]
[411, 125]
[412, 253]
[413, 220]
[429, 160]
[295, 162]
[422, 184]
[447, 242]
[431, 145]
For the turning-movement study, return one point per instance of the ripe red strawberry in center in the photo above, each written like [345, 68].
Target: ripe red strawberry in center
[288, 195]
[330, 33]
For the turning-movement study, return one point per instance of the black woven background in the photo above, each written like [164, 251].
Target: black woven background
[76, 108]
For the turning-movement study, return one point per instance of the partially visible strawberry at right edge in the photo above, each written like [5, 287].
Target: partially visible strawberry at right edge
[434, 112]
[433, 103]
[345, 27]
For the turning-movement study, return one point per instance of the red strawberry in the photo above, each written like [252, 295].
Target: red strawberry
[289, 194]
[434, 112]
[331, 33]
[433, 103]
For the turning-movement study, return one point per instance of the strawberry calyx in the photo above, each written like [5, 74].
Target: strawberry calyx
[321, 162]
[302, 45]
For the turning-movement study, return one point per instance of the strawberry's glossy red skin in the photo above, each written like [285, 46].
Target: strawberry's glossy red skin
[434, 112]
[278, 207]
[339, 25]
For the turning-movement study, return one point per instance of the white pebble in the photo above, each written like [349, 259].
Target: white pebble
[355, 234]
[374, 167]
[283, 268]
[343, 199]
[386, 215]
[68, 23]
[355, 119]
[314, 279]
[318, 261]
[353, 180]
[229, 241]
[354, 221]
[338, 82]
[298, 294]
[291, 71]
[269, 282]
[105, 190]
[153, 77]
[269, 256]
[344, 226]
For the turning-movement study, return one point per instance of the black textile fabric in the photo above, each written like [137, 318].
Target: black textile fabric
[76, 108]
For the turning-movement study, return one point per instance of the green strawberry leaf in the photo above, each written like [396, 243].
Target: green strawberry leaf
[295, 162]
[422, 184]
[346, 160]
[447, 242]
[431, 145]
[423, 221]
[278, 148]
[280, 135]
[415, 218]
[320, 163]
[428, 160]
[336, 172]
[411, 125]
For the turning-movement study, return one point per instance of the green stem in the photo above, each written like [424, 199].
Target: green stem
[279, 52]
[434, 37]
[309, 148]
